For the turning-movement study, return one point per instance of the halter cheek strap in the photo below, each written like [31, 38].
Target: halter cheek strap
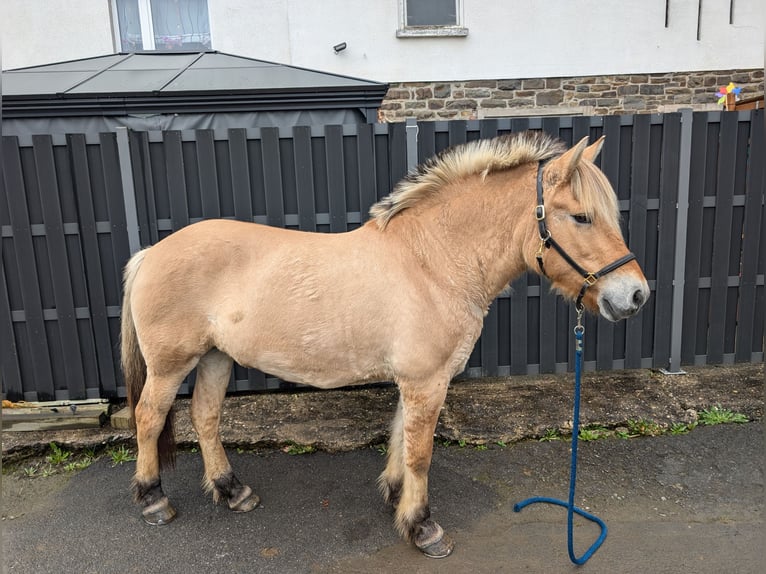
[547, 241]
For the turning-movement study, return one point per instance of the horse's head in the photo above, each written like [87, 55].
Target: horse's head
[580, 247]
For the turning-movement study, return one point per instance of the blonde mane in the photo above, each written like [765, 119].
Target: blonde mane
[480, 157]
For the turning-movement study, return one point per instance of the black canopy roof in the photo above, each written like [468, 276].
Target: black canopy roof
[179, 82]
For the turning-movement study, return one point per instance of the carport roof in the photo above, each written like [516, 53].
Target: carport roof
[173, 82]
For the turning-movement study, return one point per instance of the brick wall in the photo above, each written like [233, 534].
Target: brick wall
[588, 95]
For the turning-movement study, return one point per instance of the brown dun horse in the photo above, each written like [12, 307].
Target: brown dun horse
[401, 299]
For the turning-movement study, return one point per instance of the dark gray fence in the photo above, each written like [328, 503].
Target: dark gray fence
[691, 191]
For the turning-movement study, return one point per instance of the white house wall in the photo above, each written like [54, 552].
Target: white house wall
[506, 39]
[43, 31]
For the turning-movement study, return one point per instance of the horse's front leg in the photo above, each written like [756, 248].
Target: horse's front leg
[391, 480]
[213, 374]
[420, 403]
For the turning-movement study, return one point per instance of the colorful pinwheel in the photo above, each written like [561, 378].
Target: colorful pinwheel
[730, 89]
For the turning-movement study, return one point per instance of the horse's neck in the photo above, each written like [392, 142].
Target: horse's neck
[473, 237]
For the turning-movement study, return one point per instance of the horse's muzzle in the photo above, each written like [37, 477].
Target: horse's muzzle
[621, 297]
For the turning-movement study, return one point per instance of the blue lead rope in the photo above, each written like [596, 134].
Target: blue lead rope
[579, 331]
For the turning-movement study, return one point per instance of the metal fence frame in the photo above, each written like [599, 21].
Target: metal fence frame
[690, 189]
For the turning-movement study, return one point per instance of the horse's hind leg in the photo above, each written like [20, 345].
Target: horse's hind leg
[213, 373]
[152, 409]
[420, 405]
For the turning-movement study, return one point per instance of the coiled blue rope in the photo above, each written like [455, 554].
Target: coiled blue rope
[579, 331]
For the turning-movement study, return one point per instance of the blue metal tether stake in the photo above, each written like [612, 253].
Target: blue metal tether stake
[579, 331]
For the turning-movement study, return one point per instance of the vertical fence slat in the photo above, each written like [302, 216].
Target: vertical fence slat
[37, 339]
[127, 191]
[176, 180]
[637, 224]
[240, 175]
[397, 153]
[366, 161]
[458, 132]
[207, 171]
[745, 343]
[426, 140]
[140, 186]
[142, 163]
[272, 176]
[694, 236]
[304, 178]
[59, 264]
[519, 327]
[722, 236]
[336, 182]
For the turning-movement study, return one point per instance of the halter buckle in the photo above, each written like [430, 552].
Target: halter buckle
[540, 250]
[540, 212]
[590, 279]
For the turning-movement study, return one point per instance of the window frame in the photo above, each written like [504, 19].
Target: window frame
[147, 26]
[433, 31]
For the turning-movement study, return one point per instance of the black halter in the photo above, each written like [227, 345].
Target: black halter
[547, 241]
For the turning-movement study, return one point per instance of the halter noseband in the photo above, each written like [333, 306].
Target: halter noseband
[547, 241]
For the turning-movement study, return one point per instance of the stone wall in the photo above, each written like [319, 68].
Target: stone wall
[589, 95]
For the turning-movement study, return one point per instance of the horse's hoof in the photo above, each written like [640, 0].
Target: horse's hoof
[437, 545]
[246, 502]
[159, 513]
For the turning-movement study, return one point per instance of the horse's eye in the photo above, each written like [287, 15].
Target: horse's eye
[581, 218]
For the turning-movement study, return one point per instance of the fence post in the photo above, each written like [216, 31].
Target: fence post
[682, 217]
[412, 144]
[128, 189]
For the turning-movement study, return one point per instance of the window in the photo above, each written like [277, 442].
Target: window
[431, 18]
[161, 25]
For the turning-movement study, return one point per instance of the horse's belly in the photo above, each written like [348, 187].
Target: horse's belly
[319, 357]
[326, 373]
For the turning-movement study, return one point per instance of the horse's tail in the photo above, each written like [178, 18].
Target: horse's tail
[134, 365]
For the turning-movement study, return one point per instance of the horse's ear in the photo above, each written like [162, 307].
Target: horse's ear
[591, 152]
[562, 167]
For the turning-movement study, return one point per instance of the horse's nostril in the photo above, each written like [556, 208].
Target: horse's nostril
[638, 298]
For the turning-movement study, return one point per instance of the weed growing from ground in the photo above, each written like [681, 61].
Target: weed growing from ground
[120, 455]
[644, 427]
[551, 434]
[716, 416]
[294, 448]
[681, 428]
[57, 455]
[593, 432]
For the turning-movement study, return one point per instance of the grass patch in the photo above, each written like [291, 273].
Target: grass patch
[57, 455]
[593, 432]
[295, 449]
[681, 428]
[550, 435]
[717, 416]
[644, 427]
[120, 455]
